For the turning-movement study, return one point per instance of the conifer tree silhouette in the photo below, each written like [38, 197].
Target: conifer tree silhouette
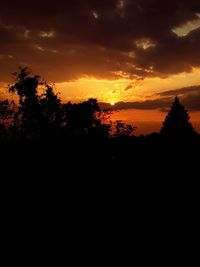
[177, 123]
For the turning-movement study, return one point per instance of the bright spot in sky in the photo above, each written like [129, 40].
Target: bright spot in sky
[95, 14]
[49, 34]
[112, 103]
[144, 43]
[185, 29]
[121, 4]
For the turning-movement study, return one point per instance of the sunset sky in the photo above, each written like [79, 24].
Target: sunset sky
[134, 55]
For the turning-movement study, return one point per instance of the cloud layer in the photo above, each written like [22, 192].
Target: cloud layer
[190, 97]
[65, 40]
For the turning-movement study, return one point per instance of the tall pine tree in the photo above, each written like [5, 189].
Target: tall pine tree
[177, 123]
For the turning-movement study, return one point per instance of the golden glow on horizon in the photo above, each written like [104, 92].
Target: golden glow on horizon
[126, 90]
[148, 121]
[115, 91]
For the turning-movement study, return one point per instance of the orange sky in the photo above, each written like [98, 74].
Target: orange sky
[112, 50]
[148, 121]
[113, 91]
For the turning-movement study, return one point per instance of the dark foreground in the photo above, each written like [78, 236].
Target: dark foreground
[142, 189]
[125, 158]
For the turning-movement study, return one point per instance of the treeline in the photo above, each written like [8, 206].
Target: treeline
[40, 114]
[39, 132]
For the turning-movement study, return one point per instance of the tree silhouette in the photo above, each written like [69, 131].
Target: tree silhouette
[7, 111]
[28, 119]
[122, 129]
[177, 123]
[82, 129]
[43, 115]
[83, 119]
[52, 112]
[37, 115]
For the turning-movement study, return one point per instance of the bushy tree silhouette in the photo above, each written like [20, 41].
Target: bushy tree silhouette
[28, 119]
[52, 112]
[37, 115]
[177, 123]
[83, 119]
[43, 115]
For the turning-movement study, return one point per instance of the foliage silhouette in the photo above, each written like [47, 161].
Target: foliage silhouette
[40, 116]
[123, 130]
[7, 110]
[84, 119]
[28, 118]
[52, 112]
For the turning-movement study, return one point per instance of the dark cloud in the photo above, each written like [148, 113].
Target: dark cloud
[64, 40]
[190, 96]
[192, 102]
[147, 105]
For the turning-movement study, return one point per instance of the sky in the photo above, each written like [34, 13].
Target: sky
[129, 54]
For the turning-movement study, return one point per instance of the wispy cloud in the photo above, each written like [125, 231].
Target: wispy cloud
[181, 91]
